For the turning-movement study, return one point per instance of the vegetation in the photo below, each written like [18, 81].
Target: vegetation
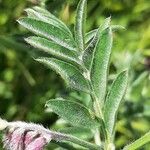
[83, 63]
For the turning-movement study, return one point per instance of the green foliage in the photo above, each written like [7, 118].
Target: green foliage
[80, 24]
[48, 31]
[16, 65]
[90, 51]
[53, 48]
[113, 101]
[99, 71]
[43, 15]
[139, 143]
[73, 112]
[68, 72]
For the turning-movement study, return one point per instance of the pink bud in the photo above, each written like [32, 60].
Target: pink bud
[36, 144]
[25, 136]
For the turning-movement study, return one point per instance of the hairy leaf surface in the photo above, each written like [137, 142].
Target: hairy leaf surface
[52, 48]
[48, 18]
[113, 100]
[100, 65]
[89, 51]
[80, 24]
[71, 75]
[48, 31]
[90, 35]
[73, 112]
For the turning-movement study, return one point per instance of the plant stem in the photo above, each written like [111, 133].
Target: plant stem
[139, 142]
[65, 137]
[97, 137]
[98, 112]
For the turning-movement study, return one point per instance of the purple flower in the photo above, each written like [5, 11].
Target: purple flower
[24, 136]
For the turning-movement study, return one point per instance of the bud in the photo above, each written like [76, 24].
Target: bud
[24, 136]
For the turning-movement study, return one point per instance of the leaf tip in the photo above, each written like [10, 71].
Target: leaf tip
[20, 20]
[125, 72]
[27, 39]
[27, 9]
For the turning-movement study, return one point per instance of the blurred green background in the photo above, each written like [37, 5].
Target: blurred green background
[25, 85]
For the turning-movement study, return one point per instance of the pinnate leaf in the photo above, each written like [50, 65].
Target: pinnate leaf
[73, 112]
[72, 76]
[113, 100]
[48, 31]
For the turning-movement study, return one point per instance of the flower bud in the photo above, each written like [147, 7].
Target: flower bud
[24, 136]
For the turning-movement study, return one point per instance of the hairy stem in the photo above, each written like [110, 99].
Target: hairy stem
[65, 137]
[97, 137]
[98, 112]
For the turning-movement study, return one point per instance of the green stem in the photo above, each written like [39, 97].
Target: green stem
[98, 112]
[65, 137]
[139, 142]
[97, 137]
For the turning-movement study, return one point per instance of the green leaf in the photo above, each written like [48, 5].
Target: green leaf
[48, 14]
[73, 112]
[113, 100]
[139, 142]
[90, 35]
[48, 31]
[48, 18]
[54, 49]
[89, 51]
[117, 27]
[100, 65]
[80, 24]
[72, 76]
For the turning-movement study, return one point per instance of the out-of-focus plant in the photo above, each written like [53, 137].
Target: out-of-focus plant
[82, 60]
